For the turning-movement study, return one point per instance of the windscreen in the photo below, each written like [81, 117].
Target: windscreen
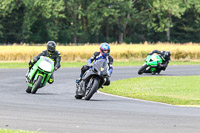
[101, 65]
[48, 60]
[46, 64]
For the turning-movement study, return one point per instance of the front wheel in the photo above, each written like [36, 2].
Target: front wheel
[142, 69]
[36, 85]
[92, 90]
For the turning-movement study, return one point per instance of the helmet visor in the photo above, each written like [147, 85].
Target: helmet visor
[51, 49]
[105, 51]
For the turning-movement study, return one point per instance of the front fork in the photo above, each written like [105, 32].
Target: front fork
[36, 77]
[89, 85]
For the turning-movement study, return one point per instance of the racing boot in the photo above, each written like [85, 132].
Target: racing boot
[27, 78]
[153, 73]
[78, 80]
[50, 81]
[79, 91]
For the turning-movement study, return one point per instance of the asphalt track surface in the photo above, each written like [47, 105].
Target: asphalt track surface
[55, 110]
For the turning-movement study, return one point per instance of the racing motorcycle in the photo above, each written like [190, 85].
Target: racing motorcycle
[92, 80]
[39, 74]
[151, 64]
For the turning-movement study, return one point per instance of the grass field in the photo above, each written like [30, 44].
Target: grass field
[80, 64]
[15, 131]
[123, 52]
[176, 90]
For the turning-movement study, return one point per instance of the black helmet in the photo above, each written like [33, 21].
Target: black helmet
[167, 54]
[51, 46]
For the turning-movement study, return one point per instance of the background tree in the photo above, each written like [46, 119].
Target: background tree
[94, 21]
[162, 12]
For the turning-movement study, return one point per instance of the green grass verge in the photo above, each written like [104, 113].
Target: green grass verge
[13, 64]
[140, 63]
[177, 90]
[79, 64]
[15, 131]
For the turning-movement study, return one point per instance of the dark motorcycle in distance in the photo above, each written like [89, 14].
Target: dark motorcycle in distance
[92, 80]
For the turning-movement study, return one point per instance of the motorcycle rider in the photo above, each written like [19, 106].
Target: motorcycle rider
[165, 55]
[103, 54]
[52, 54]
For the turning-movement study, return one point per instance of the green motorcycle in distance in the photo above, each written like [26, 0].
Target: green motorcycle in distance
[39, 74]
[151, 64]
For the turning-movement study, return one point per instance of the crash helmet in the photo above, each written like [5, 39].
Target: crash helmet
[51, 46]
[105, 47]
[167, 54]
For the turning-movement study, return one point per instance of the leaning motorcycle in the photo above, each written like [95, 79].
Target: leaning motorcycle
[92, 80]
[39, 74]
[151, 64]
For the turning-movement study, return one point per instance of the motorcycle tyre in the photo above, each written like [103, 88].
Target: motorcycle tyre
[142, 69]
[37, 84]
[93, 89]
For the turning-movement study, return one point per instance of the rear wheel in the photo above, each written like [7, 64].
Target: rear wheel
[92, 90]
[36, 85]
[142, 69]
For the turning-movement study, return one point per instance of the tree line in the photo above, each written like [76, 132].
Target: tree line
[94, 21]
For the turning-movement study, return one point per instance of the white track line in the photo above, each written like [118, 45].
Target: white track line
[144, 100]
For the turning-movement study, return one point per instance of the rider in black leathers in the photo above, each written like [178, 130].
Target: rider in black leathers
[165, 55]
[51, 53]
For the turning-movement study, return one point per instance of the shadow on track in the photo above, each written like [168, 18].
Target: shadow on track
[44, 94]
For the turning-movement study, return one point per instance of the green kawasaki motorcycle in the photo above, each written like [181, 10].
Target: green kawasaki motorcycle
[151, 64]
[39, 74]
